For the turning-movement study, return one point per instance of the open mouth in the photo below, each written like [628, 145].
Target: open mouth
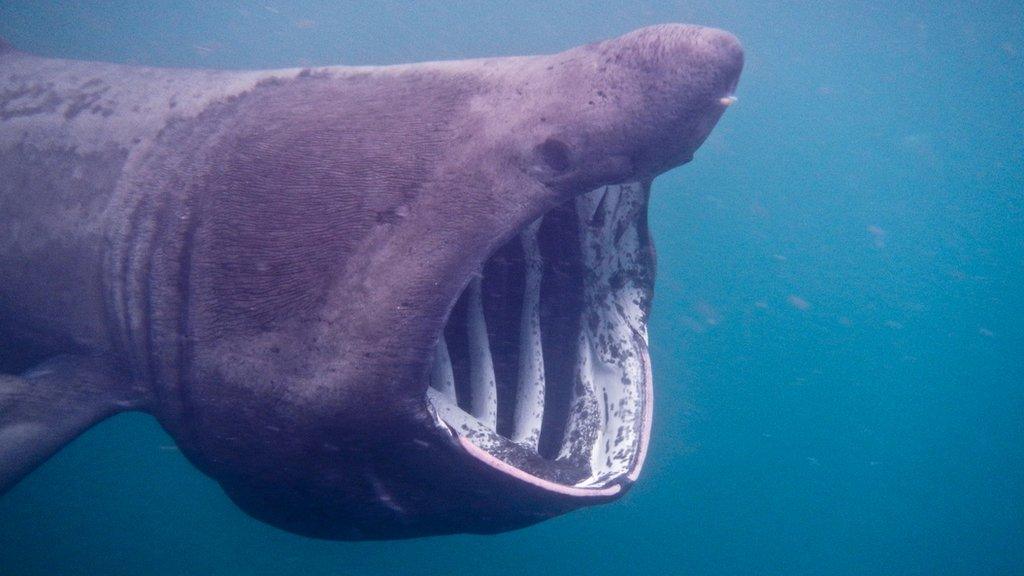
[542, 370]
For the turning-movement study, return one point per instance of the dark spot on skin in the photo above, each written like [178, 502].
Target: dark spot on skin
[312, 73]
[388, 217]
[173, 103]
[85, 100]
[601, 94]
[555, 154]
[104, 111]
[274, 81]
[28, 100]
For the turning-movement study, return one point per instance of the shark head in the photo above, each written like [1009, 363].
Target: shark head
[417, 296]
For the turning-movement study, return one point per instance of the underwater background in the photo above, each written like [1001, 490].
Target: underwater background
[838, 333]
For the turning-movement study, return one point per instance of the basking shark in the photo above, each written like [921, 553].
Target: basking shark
[371, 302]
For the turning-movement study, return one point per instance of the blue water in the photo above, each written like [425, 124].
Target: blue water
[838, 335]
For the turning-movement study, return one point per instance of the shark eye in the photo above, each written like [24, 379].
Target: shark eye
[555, 154]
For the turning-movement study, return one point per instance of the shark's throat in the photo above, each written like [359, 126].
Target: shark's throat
[543, 365]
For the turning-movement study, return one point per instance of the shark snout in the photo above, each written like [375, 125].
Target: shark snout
[681, 52]
[726, 56]
[684, 78]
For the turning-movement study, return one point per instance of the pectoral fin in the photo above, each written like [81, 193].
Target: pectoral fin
[48, 406]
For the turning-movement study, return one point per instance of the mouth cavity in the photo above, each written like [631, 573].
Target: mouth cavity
[542, 370]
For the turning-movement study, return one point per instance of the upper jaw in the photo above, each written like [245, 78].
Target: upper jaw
[542, 373]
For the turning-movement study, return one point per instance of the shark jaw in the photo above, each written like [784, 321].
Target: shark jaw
[542, 370]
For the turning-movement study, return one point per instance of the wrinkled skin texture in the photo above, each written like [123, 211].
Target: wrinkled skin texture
[263, 260]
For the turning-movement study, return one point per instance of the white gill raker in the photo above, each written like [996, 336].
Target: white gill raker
[482, 435]
[483, 386]
[442, 378]
[529, 410]
[585, 399]
[599, 257]
[585, 404]
[631, 258]
[609, 369]
[618, 352]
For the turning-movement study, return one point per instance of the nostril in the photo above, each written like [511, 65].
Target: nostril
[555, 154]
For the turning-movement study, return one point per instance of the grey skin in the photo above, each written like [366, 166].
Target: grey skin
[264, 261]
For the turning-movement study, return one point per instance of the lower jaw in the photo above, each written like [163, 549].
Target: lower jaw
[543, 371]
